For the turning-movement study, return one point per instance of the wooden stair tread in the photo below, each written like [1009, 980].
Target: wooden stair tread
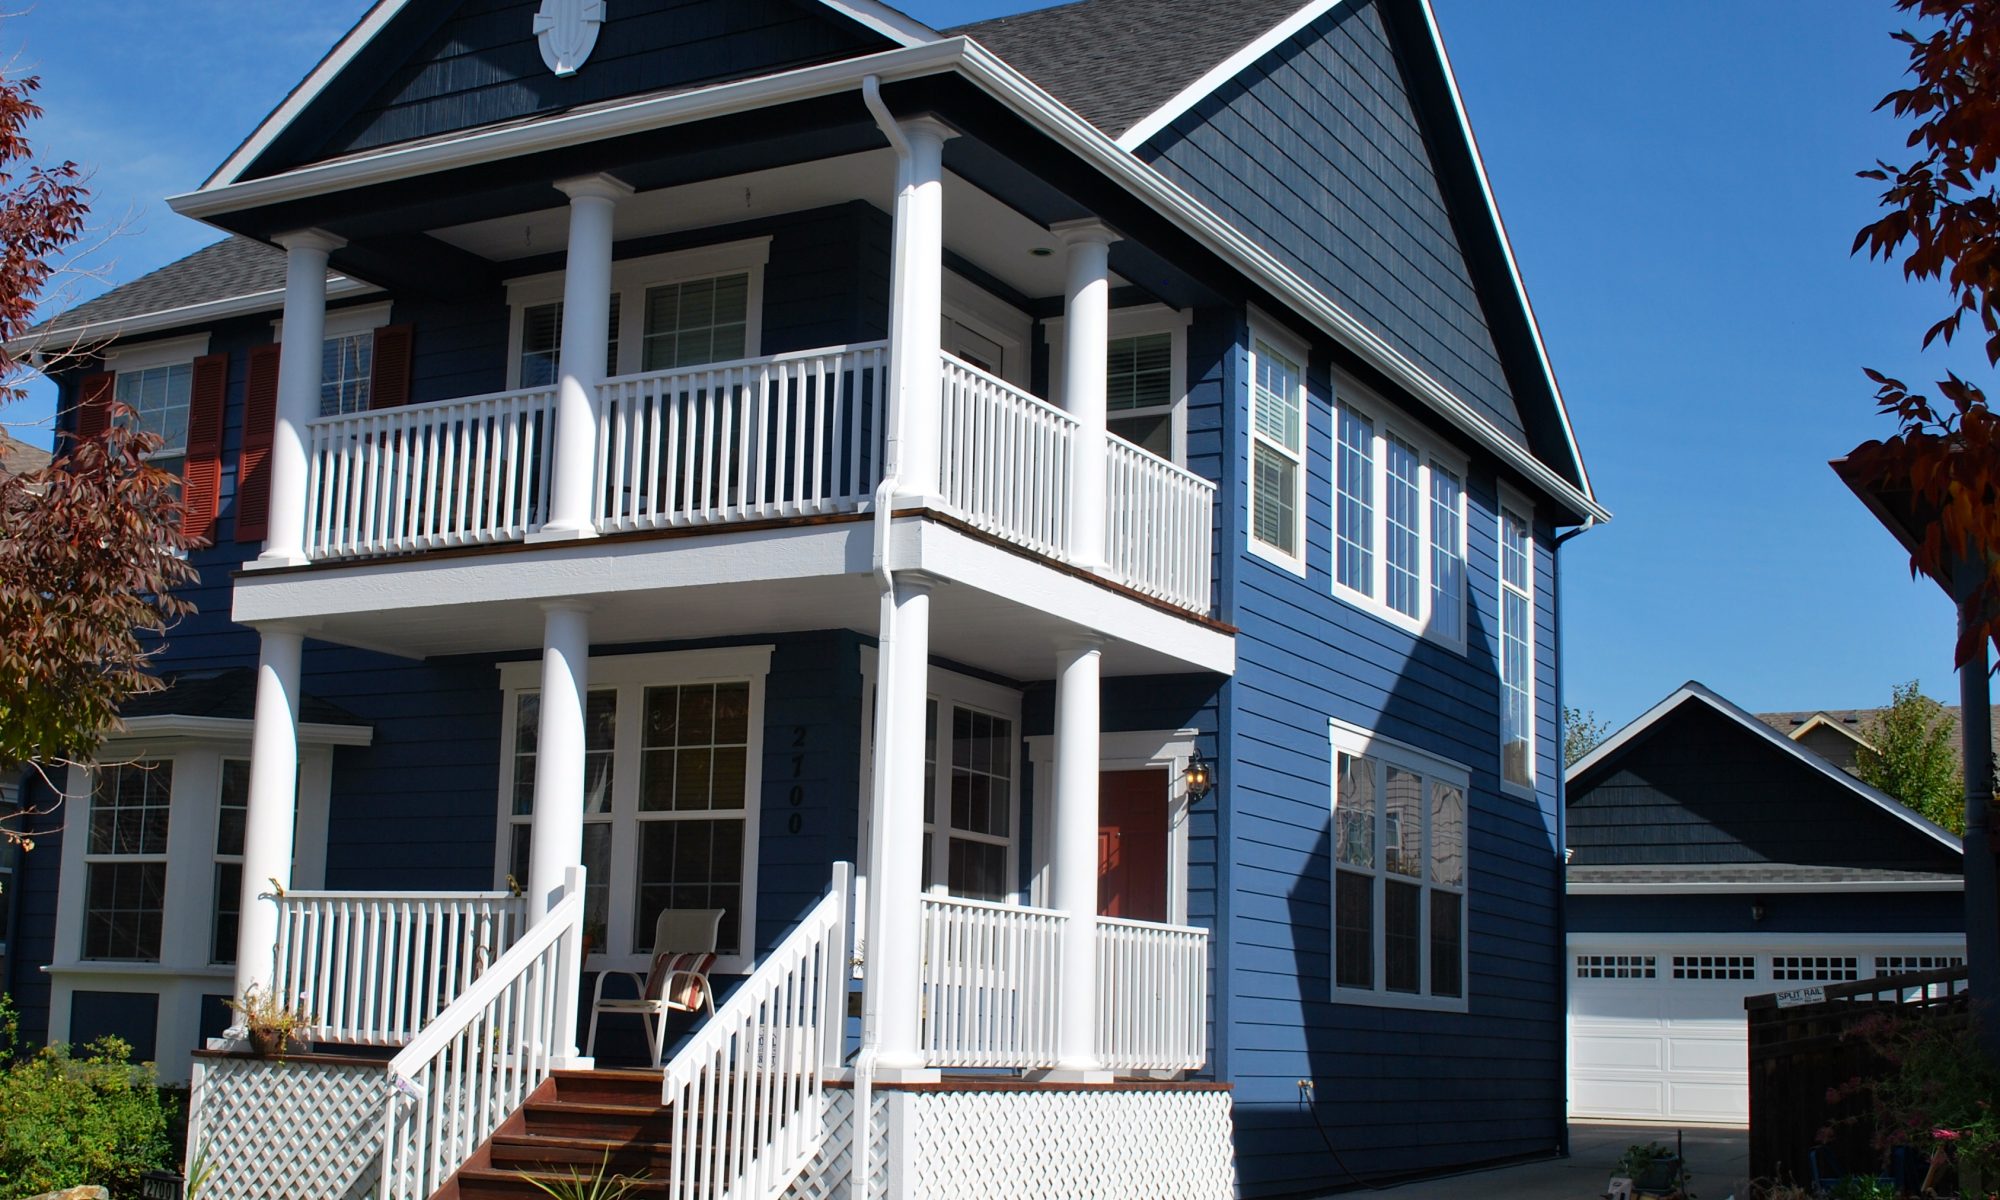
[596, 1108]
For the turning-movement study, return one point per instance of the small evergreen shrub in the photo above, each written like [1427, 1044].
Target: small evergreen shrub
[67, 1120]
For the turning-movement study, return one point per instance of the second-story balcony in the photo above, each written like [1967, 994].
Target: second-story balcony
[788, 436]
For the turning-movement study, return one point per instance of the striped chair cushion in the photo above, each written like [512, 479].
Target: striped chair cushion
[686, 970]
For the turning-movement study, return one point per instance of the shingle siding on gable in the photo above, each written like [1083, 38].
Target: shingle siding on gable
[1317, 152]
[483, 65]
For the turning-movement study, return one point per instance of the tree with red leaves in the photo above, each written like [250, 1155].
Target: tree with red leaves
[91, 546]
[1943, 219]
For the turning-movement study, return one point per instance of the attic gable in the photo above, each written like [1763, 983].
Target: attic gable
[417, 69]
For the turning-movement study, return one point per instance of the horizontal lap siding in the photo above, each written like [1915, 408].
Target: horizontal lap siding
[1858, 913]
[812, 770]
[33, 942]
[1317, 152]
[1397, 1091]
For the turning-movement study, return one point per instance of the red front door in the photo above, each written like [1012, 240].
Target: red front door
[1132, 845]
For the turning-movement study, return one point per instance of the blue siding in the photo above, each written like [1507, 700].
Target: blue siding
[1318, 152]
[34, 935]
[1815, 912]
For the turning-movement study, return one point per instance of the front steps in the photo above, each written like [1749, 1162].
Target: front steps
[575, 1124]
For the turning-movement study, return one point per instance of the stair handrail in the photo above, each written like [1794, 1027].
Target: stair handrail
[747, 1091]
[477, 1060]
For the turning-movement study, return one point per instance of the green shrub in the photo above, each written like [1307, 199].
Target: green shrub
[67, 1121]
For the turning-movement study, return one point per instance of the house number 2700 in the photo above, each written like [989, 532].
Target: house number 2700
[797, 797]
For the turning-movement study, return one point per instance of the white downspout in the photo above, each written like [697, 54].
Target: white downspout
[859, 1187]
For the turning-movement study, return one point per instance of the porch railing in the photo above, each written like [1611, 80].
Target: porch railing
[1159, 522]
[1005, 459]
[453, 1085]
[373, 968]
[992, 980]
[428, 476]
[1152, 996]
[786, 436]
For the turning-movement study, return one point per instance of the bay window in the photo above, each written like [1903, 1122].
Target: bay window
[1399, 873]
[1399, 522]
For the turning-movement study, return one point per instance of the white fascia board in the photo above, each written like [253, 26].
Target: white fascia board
[1700, 692]
[1822, 721]
[1763, 889]
[881, 18]
[208, 311]
[1625, 943]
[1224, 71]
[231, 729]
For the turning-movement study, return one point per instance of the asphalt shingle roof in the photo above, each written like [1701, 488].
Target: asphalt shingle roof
[1857, 720]
[1115, 61]
[232, 267]
[19, 458]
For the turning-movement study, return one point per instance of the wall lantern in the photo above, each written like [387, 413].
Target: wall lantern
[1199, 777]
[1756, 910]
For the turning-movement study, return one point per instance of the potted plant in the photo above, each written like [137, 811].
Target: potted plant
[270, 1024]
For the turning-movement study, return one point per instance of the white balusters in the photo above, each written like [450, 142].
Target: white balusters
[1159, 524]
[1005, 459]
[1152, 996]
[785, 436]
[992, 980]
[429, 476]
[373, 967]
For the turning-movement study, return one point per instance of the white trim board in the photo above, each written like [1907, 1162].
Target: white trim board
[1692, 690]
[250, 304]
[1222, 72]
[1839, 888]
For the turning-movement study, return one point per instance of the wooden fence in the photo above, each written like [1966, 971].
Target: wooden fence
[1798, 1052]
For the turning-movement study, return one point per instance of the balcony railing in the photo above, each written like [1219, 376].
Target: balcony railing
[1152, 996]
[787, 436]
[992, 984]
[790, 435]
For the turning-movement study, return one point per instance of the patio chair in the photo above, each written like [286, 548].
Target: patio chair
[683, 954]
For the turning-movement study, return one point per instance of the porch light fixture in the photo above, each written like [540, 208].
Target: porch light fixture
[1756, 910]
[1199, 777]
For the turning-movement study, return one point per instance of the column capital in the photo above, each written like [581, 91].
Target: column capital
[1078, 643]
[594, 187]
[1088, 231]
[567, 604]
[927, 125]
[310, 239]
[918, 582]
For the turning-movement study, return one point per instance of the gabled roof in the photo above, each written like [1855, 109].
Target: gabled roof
[1692, 692]
[19, 458]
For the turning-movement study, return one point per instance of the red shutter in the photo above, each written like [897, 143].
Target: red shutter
[93, 408]
[389, 386]
[201, 490]
[253, 466]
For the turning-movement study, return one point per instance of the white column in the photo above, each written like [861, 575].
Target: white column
[298, 392]
[915, 324]
[1074, 856]
[272, 808]
[586, 328]
[1086, 345]
[895, 885]
[555, 840]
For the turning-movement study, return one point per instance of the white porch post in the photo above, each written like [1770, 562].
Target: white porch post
[586, 328]
[895, 885]
[1074, 856]
[555, 838]
[914, 326]
[271, 812]
[298, 392]
[1086, 347]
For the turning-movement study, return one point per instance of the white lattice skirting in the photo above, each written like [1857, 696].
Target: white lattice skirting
[827, 1176]
[287, 1130]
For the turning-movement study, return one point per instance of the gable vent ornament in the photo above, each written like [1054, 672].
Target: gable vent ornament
[567, 30]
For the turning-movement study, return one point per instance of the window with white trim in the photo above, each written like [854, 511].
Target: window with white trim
[125, 883]
[1815, 968]
[1615, 966]
[347, 368]
[158, 398]
[1277, 454]
[1398, 521]
[1517, 646]
[231, 814]
[672, 745]
[1399, 873]
[1139, 391]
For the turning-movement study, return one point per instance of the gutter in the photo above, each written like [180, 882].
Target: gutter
[68, 337]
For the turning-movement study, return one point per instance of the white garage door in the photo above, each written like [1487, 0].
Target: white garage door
[1658, 1034]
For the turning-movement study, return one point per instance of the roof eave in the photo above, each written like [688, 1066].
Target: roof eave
[69, 337]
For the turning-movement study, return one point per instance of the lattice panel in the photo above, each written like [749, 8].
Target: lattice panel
[287, 1130]
[826, 1177]
[1078, 1145]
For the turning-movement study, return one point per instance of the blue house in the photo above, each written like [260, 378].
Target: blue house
[1096, 471]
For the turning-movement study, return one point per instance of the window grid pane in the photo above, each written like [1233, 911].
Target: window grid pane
[158, 398]
[1447, 554]
[696, 321]
[693, 796]
[1278, 421]
[1354, 552]
[346, 366]
[1139, 372]
[1276, 520]
[129, 808]
[1516, 652]
[1402, 551]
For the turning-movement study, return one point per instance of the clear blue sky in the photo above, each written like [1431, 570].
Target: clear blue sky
[1678, 180]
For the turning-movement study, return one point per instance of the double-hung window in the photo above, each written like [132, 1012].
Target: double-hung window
[671, 751]
[158, 398]
[125, 884]
[1398, 522]
[1277, 453]
[1399, 873]
[1145, 394]
[231, 814]
[1517, 645]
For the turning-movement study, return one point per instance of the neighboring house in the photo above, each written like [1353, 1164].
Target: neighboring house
[660, 476]
[1837, 735]
[1714, 858]
[19, 458]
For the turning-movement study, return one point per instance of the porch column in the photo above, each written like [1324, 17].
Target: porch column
[555, 836]
[914, 326]
[1086, 348]
[586, 329]
[895, 883]
[272, 808]
[298, 392]
[1074, 854]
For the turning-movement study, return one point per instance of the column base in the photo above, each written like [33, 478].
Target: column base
[270, 559]
[572, 1062]
[906, 1075]
[559, 533]
[1073, 1075]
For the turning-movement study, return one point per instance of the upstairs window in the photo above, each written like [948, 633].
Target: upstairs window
[347, 368]
[1277, 455]
[158, 398]
[1399, 524]
[697, 321]
[1139, 393]
[1517, 647]
[541, 343]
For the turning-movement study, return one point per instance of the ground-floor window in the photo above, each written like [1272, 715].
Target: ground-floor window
[125, 884]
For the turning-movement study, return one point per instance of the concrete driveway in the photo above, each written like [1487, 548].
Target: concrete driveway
[1718, 1160]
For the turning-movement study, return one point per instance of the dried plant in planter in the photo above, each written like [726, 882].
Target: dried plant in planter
[271, 1025]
